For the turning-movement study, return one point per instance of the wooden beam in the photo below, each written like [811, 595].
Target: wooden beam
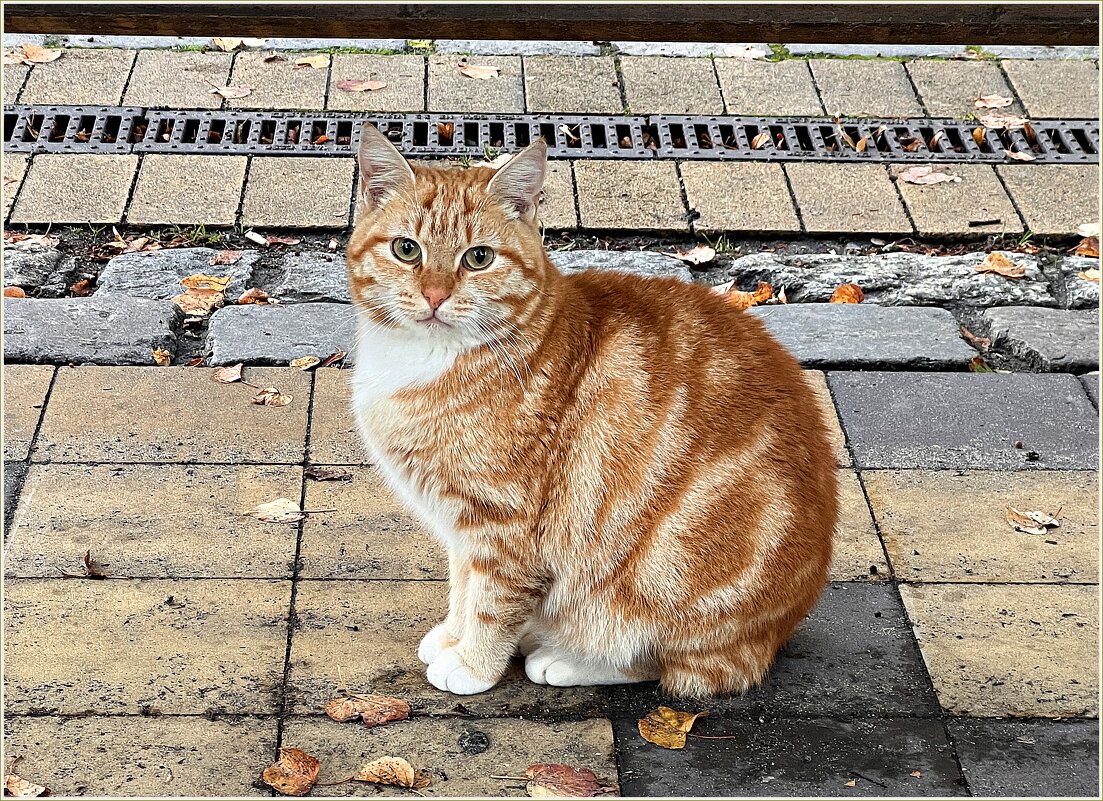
[883, 23]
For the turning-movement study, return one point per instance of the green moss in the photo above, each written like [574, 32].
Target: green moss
[423, 46]
[192, 48]
[362, 51]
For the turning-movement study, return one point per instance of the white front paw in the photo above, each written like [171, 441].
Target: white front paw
[448, 672]
[434, 643]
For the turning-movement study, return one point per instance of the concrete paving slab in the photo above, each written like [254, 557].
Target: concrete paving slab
[298, 192]
[153, 521]
[949, 88]
[507, 47]
[277, 334]
[950, 525]
[14, 473]
[1048, 339]
[659, 85]
[1009, 650]
[848, 198]
[25, 388]
[823, 396]
[14, 75]
[449, 90]
[278, 84]
[1091, 386]
[404, 76]
[954, 208]
[157, 274]
[858, 555]
[191, 648]
[172, 414]
[169, 79]
[572, 85]
[333, 435]
[557, 205]
[1054, 199]
[81, 188]
[864, 88]
[1056, 89]
[966, 420]
[149, 756]
[15, 165]
[80, 78]
[739, 196]
[636, 195]
[187, 190]
[781, 88]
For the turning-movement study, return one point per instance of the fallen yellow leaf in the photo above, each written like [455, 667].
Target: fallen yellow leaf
[162, 357]
[1000, 264]
[667, 727]
[395, 771]
[847, 293]
[204, 281]
[294, 774]
[373, 710]
[1089, 246]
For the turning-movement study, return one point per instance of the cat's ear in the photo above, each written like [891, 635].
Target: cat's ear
[383, 171]
[518, 183]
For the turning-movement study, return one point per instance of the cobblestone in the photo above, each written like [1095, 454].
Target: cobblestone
[310, 277]
[1079, 293]
[39, 270]
[277, 334]
[157, 274]
[1047, 339]
[643, 262]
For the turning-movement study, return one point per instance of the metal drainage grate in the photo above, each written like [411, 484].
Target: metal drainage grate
[87, 129]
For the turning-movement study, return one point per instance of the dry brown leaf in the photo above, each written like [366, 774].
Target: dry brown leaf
[361, 86]
[227, 43]
[925, 174]
[1089, 246]
[1091, 274]
[981, 343]
[315, 62]
[273, 56]
[992, 101]
[394, 771]
[701, 254]
[1019, 155]
[445, 130]
[760, 141]
[17, 787]
[204, 281]
[916, 773]
[321, 140]
[862, 144]
[327, 474]
[851, 783]
[1000, 264]
[162, 357]
[1001, 121]
[847, 293]
[283, 240]
[225, 257]
[563, 781]
[232, 92]
[281, 510]
[373, 710]
[294, 774]
[200, 302]
[198, 361]
[480, 73]
[270, 396]
[667, 727]
[911, 145]
[744, 300]
[305, 362]
[253, 295]
[14, 292]
[228, 375]
[1033, 522]
[332, 359]
[980, 134]
[33, 54]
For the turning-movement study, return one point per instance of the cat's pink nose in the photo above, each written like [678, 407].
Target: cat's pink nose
[436, 295]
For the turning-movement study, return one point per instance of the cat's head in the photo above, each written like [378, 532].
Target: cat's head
[449, 253]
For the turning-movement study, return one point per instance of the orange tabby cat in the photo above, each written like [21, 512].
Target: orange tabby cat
[632, 479]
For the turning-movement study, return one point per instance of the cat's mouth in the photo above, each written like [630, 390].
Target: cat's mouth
[432, 321]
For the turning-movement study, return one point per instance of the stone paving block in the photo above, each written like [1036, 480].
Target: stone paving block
[1053, 199]
[823, 395]
[80, 78]
[15, 165]
[848, 198]
[869, 337]
[951, 525]
[277, 334]
[953, 208]
[333, 435]
[949, 88]
[687, 48]
[1028, 758]
[153, 521]
[507, 47]
[858, 555]
[557, 206]
[864, 88]
[781, 88]
[636, 195]
[637, 262]
[658, 85]
[157, 274]
[278, 84]
[1007, 650]
[1078, 291]
[460, 756]
[805, 758]
[309, 277]
[42, 271]
[1091, 386]
[451, 91]
[739, 196]
[1048, 339]
[80, 188]
[1056, 89]
[298, 192]
[370, 535]
[170, 79]
[149, 756]
[14, 473]
[25, 388]
[94, 330]
[572, 85]
[14, 75]
[187, 190]
[404, 76]
[172, 414]
[216, 645]
[966, 420]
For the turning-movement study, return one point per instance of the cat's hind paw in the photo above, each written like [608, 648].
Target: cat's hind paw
[449, 673]
[435, 643]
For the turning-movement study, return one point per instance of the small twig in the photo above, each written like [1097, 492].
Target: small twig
[317, 511]
[866, 778]
[717, 736]
[979, 223]
[334, 784]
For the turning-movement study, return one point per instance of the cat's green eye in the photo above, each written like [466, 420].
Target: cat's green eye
[406, 249]
[478, 257]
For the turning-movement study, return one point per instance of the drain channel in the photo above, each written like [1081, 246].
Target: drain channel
[101, 129]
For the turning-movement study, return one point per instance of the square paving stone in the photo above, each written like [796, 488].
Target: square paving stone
[298, 192]
[847, 198]
[781, 88]
[858, 554]
[739, 196]
[175, 647]
[865, 88]
[83, 188]
[660, 85]
[950, 525]
[632, 195]
[187, 190]
[1056, 89]
[827, 406]
[276, 334]
[460, 756]
[966, 420]
[25, 388]
[449, 90]
[370, 535]
[572, 85]
[1054, 199]
[14, 75]
[1091, 386]
[333, 435]
[80, 78]
[172, 414]
[792, 759]
[148, 756]
[1028, 758]
[15, 165]
[14, 474]
[1009, 650]
[404, 76]
[169, 79]
[952, 208]
[949, 88]
[278, 84]
[1047, 339]
[153, 521]
[557, 206]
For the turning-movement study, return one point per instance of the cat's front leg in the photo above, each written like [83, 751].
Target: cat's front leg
[447, 633]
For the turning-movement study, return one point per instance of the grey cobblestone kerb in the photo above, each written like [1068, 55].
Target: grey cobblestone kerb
[277, 334]
[157, 274]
